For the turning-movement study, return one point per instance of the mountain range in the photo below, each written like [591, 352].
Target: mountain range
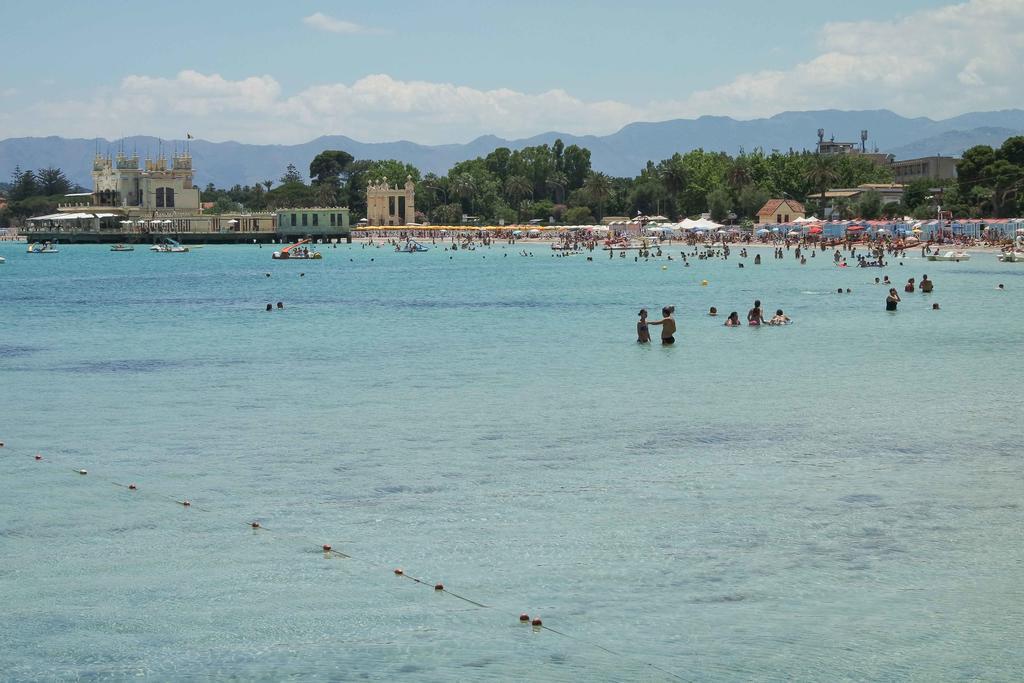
[623, 153]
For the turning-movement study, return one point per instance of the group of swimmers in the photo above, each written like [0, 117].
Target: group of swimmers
[755, 318]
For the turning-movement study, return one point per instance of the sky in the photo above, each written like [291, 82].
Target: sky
[265, 71]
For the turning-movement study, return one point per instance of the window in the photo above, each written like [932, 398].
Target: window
[787, 219]
[391, 206]
[305, 219]
[332, 220]
[159, 197]
[169, 197]
[316, 219]
[293, 220]
[778, 219]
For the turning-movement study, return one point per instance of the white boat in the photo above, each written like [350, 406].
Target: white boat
[297, 251]
[3, 260]
[1014, 256]
[44, 248]
[169, 246]
[122, 247]
[950, 255]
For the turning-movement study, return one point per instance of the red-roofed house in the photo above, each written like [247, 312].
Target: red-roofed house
[780, 211]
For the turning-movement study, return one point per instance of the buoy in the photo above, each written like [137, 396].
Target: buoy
[132, 487]
[327, 548]
[439, 586]
[255, 525]
[38, 457]
[399, 572]
[537, 622]
[664, 267]
[82, 472]
[703, 283]
[524, 617]
[186, 503]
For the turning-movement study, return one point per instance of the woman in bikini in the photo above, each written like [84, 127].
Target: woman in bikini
[754, 316]
[668, 325]
[643, 335]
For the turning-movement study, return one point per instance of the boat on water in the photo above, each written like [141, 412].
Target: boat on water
[122, 247]
[299, 250]
[169, 246]
[42, 248]
[1012, 256]
[411, 247]
[3, 260]
[623, 245]
[951, 255]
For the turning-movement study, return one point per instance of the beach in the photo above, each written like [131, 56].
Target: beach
[834, 499]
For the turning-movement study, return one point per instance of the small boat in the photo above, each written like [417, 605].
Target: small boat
[297, 251]
[122, 247]
[411, 247]
[3, 260]
[950, 255]
[1012, 256]
[169, 246]
[44, 248]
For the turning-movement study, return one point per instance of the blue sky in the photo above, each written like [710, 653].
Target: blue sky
[448, 71]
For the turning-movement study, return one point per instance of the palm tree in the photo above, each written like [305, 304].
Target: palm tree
[673, 176]
[557, 181]
[517, 187]
[738, 175]
[268, 184]
[465, 187]
[599, 187]
[821, 173]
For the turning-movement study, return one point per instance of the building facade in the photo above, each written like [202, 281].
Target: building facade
[323, 222]
[780, 211]
[932, 168]
[386, 205]
[120, 182]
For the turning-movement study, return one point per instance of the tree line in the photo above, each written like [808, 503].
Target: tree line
[557, 182]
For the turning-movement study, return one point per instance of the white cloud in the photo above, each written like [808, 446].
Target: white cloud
[937, 63]
[323, 22]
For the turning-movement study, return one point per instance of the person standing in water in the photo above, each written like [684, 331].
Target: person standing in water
[892, 300]
[643, 334]
[668, 325]
[754, 316]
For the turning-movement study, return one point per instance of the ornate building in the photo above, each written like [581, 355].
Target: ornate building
[120, 183]
[386, 205]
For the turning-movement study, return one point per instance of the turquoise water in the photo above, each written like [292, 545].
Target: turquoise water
[839, 499]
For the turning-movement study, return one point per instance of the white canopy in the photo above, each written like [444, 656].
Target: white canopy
[700, 224]
[811, 219]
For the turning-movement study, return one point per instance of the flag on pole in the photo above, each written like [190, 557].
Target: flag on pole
[189, 136]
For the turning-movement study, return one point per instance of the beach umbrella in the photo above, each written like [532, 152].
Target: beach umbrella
[917, 231]
[855, 228]
[815, 230]
[882, 231]
[763, 231]
[722, 232]
[1020, 231]
[793, 233]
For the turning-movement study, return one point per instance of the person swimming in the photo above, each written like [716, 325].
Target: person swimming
[780, 318]
[643, 334]
[713, 312]
[668, 325]
[733, 320]
[754, 316]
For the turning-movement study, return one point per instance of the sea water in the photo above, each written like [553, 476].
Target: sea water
[835, 499]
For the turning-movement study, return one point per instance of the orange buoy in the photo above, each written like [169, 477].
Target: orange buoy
[132, 487]
[398, 572]
[327, 548]
[537, 622]
[439, 586]
[524, 617]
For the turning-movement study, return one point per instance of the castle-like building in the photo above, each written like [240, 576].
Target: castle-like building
[119, 182]
[386, 205]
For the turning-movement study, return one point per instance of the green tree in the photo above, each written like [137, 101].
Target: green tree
[517, 188]
[558, 181]
[329, 165]
[446, 214]
[751, 198]
[599, 189]
[52, 181]
[23, 185]
[579, 215]
[821, 172]
[719, 204]
[575, 166]
[869, 205]
[291, 175]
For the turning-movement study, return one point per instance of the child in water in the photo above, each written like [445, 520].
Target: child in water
[643, 334]
[780, 318]
[733, 320]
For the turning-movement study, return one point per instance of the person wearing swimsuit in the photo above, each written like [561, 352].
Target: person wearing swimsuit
[668, 325]
[643, 334]
[754, 315]
[892, 300]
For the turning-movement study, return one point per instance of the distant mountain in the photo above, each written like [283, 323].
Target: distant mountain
[622, 153]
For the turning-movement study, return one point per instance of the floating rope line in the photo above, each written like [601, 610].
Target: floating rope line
[438, 587]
